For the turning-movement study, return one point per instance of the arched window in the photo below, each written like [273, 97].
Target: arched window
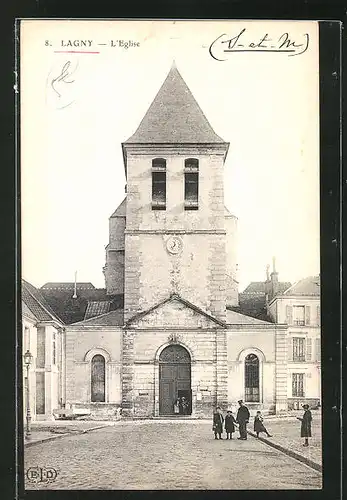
[191, 184]
[252, 393]
[98, 379]
[158, 184]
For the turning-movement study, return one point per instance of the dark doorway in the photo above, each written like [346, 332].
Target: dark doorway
[174, 379]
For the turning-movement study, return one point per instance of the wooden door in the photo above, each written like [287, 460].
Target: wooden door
[174, 377]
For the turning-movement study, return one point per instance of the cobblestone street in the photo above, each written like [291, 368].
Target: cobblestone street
[165, 455]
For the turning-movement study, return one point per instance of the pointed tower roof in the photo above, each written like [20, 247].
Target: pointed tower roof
[174, 117]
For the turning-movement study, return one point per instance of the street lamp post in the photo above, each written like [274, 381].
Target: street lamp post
[27, 361]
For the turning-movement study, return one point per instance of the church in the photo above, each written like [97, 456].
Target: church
[170, 322]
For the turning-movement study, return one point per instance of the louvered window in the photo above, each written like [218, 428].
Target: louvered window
[191, 184]
[98, 379]
[252, 393]
[158, 184]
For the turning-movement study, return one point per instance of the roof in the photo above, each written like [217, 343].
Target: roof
[97, 307]
[252, 305]
[112, 318]
[259, 287]
[67, 286]
[26, 312]
[307, 286]
[71, 310]
[237, 318]
[35, 302]
[174, 117]
[120, 210]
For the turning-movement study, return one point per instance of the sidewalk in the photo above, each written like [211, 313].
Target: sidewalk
[48, 430]
[286, 434]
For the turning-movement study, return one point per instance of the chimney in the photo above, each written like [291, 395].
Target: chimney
[75, 287]
[267, 283]
[274, 279]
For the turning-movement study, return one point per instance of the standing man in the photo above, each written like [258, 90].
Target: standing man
[217, 426]
[242, 419]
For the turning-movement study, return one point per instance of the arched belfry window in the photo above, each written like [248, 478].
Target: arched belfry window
[158, 184]
[98, 379]
[191, 184]
[252, 393]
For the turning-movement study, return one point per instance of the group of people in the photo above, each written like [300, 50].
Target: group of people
[181, 406]
[242, 419]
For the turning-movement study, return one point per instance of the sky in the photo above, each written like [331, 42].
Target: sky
[266, 105]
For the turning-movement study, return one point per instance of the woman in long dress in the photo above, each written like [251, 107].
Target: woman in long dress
[306, 424]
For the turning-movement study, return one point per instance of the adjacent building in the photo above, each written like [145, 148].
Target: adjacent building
[42, 336]
[299, 308]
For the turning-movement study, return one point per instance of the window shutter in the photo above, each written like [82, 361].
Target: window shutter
[318, 349]
[289, 349]
[307, 315]
[289, 315]
[308, 349]
[318, 315]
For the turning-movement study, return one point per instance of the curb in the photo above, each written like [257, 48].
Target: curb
[288, 452]
[51, 438]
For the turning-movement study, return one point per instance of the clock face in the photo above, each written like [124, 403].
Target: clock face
[174, 245]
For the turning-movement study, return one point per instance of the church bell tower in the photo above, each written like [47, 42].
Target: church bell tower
[175, 237]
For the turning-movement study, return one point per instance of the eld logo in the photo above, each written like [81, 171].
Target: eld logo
[41, 474]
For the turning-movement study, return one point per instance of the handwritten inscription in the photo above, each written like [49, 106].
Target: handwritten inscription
[61, 83]
[242, 42]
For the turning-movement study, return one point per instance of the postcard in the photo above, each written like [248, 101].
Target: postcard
[170, 254]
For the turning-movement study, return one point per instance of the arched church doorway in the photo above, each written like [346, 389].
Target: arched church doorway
[174, 380]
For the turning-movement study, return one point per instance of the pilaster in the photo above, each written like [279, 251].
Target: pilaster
[221, 369]
[127, 376]
[281, 370]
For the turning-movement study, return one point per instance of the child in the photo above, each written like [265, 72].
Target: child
[217, 426]
[177, 406]
[259, 426]
[229, 424]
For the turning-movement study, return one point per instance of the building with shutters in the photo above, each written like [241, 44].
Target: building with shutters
[299, 307]
[42, 336]
[169, 322]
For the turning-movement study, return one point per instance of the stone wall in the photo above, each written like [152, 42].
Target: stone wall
[261, 342]
[114, 267]
[141, 377]
[198, 272]
[82, 343]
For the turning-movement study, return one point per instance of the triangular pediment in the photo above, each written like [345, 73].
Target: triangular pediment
[174, 312]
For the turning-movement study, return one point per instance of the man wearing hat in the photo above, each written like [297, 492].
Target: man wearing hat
[306, 424]
[242, 418]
